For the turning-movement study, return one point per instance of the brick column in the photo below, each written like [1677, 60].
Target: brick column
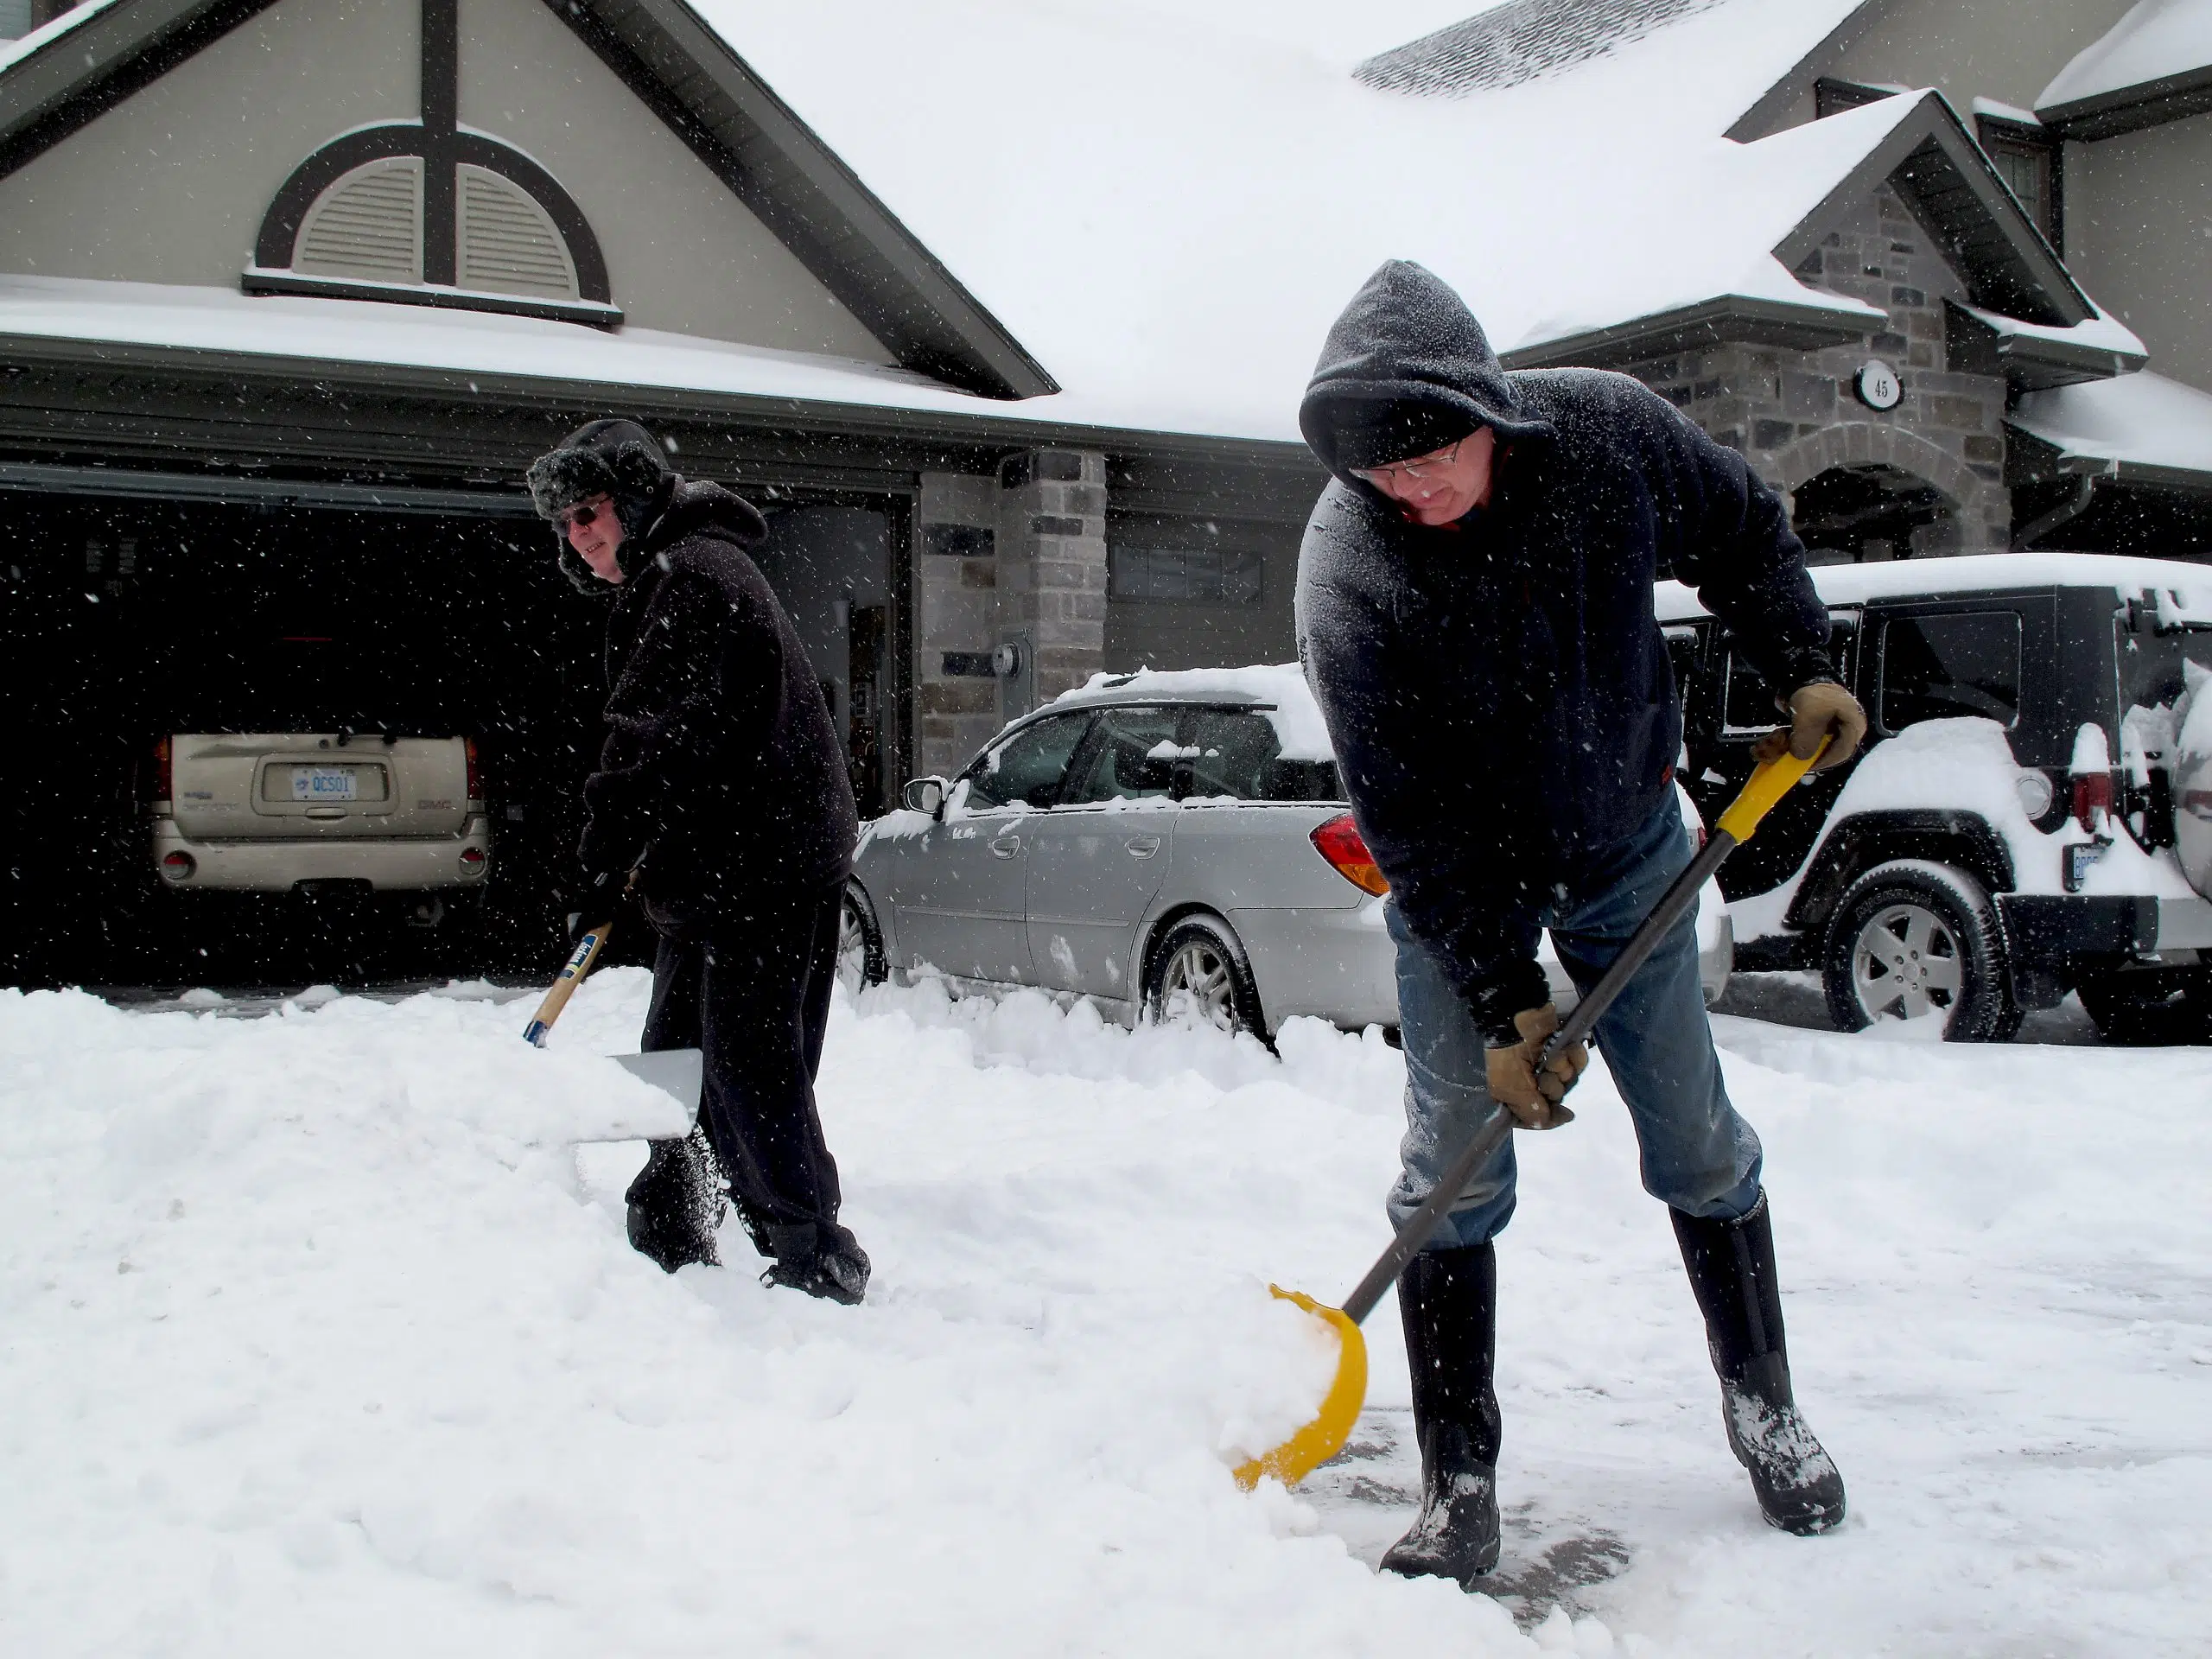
[956, 583]
[1051, 539]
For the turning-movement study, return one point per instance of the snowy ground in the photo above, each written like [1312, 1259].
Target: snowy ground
[316, 1337]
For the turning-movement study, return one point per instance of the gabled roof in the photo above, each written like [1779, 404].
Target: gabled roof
[2153, 66]
[63, 77]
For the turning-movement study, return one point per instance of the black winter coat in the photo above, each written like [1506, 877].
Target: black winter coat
[720, 754]
[1498, 690]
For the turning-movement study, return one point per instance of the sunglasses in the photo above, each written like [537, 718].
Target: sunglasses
[582, 516]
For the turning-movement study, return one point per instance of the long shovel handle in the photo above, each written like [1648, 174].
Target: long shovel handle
[1769, 783]
[573, 973]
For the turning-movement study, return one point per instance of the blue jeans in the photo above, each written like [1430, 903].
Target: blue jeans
[1698, 1155]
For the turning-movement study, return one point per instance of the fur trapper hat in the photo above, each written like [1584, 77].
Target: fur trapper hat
[616, 458]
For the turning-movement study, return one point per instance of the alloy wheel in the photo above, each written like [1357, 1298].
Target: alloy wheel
[852, 948]
[1904, 964]
[1198, 977]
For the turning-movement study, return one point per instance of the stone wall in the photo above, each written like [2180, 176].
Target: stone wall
[1020, 554]
[1793, 414]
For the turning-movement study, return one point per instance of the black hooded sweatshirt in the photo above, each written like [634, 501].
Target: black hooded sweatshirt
[721, 754]
[1498, 690]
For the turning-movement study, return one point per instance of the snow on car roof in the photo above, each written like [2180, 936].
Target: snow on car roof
[2189, 586]
[1278, 688]
[2158, 39]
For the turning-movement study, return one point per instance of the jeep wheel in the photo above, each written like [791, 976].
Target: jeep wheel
[1911, 939]
[2149, 1008]
[1199, 972]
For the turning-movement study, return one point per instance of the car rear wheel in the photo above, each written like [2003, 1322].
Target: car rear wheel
[859, 947]
[1199, 972]
[1913, 940]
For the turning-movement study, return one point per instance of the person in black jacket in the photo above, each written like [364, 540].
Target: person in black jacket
[722, 784]
[1475, 614]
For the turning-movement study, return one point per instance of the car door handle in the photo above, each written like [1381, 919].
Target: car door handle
[1007, 847]
[1142, 846]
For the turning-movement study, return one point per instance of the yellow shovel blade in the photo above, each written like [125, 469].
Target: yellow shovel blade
[1322, 1438]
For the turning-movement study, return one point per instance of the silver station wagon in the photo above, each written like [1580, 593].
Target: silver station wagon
[1166, 844]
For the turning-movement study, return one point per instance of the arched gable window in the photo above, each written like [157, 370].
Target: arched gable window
[430, 213]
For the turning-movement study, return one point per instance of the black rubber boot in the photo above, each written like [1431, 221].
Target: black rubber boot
[1448, 1301]
[835, 1268]
[1730, 1266]
[676, 1203]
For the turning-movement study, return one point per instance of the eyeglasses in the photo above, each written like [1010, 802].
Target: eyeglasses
[582, 516]
[1423, 466]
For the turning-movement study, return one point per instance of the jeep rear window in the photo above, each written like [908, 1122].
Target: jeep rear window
[1950, 666]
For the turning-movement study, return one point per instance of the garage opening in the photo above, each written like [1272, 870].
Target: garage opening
[1861, 515]
[132, 621]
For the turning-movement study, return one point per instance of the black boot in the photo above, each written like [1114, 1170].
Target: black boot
[1448, 1300]
[1730, 1266]
[676, 1203]
[834, 1267]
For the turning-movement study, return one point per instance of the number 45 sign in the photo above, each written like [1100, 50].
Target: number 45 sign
[1878, 385]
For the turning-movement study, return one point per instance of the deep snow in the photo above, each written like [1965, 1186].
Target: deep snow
[318, 1338]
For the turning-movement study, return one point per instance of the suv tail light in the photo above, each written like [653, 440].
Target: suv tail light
[164, 771]
[2091, 770]
[1338, 841]
[475, 773]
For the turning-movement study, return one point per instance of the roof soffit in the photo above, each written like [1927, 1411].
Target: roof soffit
[691, 78]
[1932, 161]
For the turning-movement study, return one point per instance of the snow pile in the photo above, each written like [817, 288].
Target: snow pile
[1278, 688]
[315, 1344]
[2155, 40]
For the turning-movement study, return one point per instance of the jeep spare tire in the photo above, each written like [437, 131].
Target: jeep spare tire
[2192, 785]
[1916, 940]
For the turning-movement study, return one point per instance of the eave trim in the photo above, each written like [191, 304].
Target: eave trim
[1729, 319]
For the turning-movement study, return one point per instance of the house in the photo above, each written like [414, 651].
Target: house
[1001, 313]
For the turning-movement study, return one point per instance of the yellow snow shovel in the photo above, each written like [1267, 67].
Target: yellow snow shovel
[1322, 1438]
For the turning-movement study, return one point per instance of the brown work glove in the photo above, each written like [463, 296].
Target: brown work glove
[1816, 711]
[1532, 1096]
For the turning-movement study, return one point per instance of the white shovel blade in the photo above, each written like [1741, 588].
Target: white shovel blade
[677, 1073]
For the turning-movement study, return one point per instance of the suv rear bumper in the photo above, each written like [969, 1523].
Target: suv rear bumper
[274, 865]
[2052, 927]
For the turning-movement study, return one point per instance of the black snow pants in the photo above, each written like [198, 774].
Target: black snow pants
[753, 994]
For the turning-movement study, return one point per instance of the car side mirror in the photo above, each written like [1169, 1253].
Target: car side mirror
[924, 795]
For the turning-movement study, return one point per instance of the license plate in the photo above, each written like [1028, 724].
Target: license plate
[325, 783]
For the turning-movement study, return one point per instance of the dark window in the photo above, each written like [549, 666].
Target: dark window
[1025, 769]
[1236, 753]
[1833, 96]
[1132, 758]
[1944, 667]
[1748, 704]
[2027, 160]
[1152, 555]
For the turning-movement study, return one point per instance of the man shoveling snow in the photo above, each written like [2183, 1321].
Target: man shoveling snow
[1474, 611]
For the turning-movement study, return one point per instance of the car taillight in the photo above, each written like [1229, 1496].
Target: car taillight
[164, 773]
[475, 776]
[2093, 799]
[1339, 840]
[180, 867]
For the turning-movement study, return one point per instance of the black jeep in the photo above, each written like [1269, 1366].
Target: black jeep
[2032, 813]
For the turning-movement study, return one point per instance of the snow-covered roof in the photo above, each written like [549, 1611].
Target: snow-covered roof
[1855, 584]
[2136, 421]
[2156, 41]
[1278, 688]
[1520, 40]
[1167, 204]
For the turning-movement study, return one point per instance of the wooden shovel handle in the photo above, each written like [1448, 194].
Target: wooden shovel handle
[573, 973]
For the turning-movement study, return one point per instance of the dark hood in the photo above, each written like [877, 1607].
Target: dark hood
[1407, 339]
[687, 509]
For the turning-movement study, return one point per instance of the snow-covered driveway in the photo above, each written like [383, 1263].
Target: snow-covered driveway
[315, 1339]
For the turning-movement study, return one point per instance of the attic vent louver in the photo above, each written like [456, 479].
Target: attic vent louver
[1520, 40]
[366, 226]
[508, 244]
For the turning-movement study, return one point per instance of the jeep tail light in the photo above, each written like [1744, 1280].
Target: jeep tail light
[2093, 799]
[475, 774]
[1339, 840]
[164, 771]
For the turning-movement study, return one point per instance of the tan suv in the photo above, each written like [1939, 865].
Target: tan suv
[321, 812]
